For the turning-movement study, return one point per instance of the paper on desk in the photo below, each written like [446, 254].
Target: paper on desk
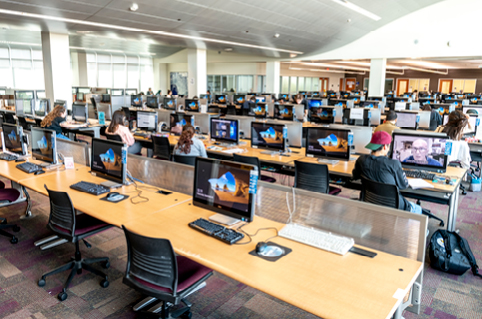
[233, 150]
[417, 183]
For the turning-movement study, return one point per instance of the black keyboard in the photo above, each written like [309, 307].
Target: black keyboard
[28, 167]
[222, 233]
[90, 188]
[420, 174]
[142, 134]
[7, 157]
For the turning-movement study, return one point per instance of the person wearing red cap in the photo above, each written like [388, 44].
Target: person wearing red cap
[378, 167]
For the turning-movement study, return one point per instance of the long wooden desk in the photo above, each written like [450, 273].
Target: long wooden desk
[325, 284]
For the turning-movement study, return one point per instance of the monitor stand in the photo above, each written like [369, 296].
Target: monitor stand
[223, 219]
[327, 161]
[109, 184]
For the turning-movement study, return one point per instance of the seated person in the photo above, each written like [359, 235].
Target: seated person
[455, 129]
[188, 145]
[55, 120]
[390, 123]
[149, 92]
[298, 99]
[378, 167]
[117, 127]
[247, 104]
[435, 117]
[419, 154]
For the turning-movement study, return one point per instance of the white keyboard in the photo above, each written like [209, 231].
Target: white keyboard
[327, 241]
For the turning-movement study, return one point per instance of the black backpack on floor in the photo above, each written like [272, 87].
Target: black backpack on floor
[449, 252]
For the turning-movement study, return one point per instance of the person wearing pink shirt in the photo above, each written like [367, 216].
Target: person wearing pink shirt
[117, 127]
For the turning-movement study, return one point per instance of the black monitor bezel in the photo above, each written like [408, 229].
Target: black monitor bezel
[39, 155]
[20, 134]
[317, 119]
[217, 100]
[251, 113]
[47, 108]
[238, 95]
[187, 108]
[133, 97]
[122, 179]
[220, 139]
[156, 105]
[253, 145]
[311, 154]
[164, 104]
[277, 106]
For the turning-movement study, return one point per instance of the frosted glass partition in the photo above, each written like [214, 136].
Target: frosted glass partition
[79, 151]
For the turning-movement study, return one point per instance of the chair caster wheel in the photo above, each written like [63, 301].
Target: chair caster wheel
[79, 271]
[62, 296]
[41, 282]
[106, 264]
[187, 315]
[4, 221]
[16, 228]
[14, 240]
[442, 224]
[104, 283]
[464, 193]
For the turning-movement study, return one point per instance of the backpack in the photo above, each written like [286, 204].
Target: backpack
[449, 252]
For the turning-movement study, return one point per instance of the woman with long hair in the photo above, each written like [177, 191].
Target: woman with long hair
[189, 145]
[55, 120]
[455, 130]
[117, 127]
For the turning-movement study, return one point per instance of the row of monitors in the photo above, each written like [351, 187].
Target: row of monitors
[31, 107]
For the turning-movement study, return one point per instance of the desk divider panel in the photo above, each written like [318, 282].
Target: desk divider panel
[389, 230]
[79, 151]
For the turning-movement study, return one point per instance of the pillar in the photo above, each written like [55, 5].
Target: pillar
[82, 60]
[376, 86]
[272, 77]
[197, 74]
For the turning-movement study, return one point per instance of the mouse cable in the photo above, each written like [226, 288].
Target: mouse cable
[139, 192]
[256, 233]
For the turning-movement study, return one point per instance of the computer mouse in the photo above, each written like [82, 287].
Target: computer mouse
[261, 247]
[112, 194]
[39, 172]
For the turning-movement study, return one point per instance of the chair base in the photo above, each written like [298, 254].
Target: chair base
[163, 312]
[4, 225]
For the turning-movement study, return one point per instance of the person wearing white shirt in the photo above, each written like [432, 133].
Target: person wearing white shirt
[455, 129]
[188, 145]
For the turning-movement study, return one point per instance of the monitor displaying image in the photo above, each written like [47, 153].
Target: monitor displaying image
[224, 187]
[267, 135]
[225, 130]
[152, 102]
[328, 143]
[422, 151]
[221, 99]
[192, 105]
[258, 110]
[13, 139]
[147, 121]
[321, 115]
[27, 107]
[407, 120]
[284, 97]
[136, 100]
[179, 120]
[80, 112]
[109, 159]
[44, 145]
[42, 107]
[283, 112]
[315, 103]
[239, 99]
[170, 103]
[261, 99]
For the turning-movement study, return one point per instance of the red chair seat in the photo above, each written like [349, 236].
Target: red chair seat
[84, 224]
[334, 190]
[9, 194]
[2, 185]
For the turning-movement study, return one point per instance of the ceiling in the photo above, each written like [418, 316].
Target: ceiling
[305, 26]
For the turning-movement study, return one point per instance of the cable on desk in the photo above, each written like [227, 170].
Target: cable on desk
[139, 192]
[256, 233]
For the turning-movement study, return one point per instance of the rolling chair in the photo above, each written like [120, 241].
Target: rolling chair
[255, 162]
[476, 157]
[8, 195]
[154, 270]
[113, 137]
[184, 159]
[161, 147]
[314, 177]
[66, 224]
[386, 195]
[231, 109]
[23, 123]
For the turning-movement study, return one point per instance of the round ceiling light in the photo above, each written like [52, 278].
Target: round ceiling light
[134, 7]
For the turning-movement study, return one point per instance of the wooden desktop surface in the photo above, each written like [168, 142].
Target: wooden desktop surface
[113, 213]
[9, 170]
[323, 283]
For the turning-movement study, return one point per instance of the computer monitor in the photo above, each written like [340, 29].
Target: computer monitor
[357, 113]
[181, 119]
[61, 103]
[170, 103]
[80, 97]
[13, 139]
[44, 145]
[191, 105]
[283, 112]
[80, 113]
[204, 96]
[327, 143]
[467, 130]
[106, 98]
[152, 102]
[258, 110]
[27, 107]
[136, 100]
[147, 121]
[321, 115]
[419, 150]
[221, 99]
[42, 108]
[314, 103]
[478, 109]
[225, 187]
[224, 130]
[407, 120]
[267, 135]
[261, 99]
[286, 97]
[109, 160]
[239, 99]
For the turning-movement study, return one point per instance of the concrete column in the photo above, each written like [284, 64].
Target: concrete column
[56, 62]
[82, 60]
[376, 86]
[197, 73]
[272, 77]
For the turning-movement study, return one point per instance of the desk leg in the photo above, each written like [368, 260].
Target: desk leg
[453, 206]
[28, 212]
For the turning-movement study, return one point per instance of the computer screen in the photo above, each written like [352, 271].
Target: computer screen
[258, 110]
[27, 107]
[225, 130]
[221, 99]
[181, 119]
[315, 94]
[467, 130]
[478, 109]
[136, 100]
[421, 151]
[61, 103]
[80, 97]
[407, 120]
[267, 135]
[328, 143]
[109, 160]
[356, 113]
[44, 145]
[261, 99]
[106, 98]
[239, 99]
[147, 121]
[170, 103]
[321, 115]
[204, 96]
[314, 103]
[283, 112]
[191, 105]
[225, 187]
[13, 139]
[80, 112]
[285, 97]
[152, 102]
[42, 107]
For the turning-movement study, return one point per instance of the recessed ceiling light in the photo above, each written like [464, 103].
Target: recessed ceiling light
[228, 49]
[276, 35]
[134, 7]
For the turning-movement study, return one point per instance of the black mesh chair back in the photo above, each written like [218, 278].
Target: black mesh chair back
[379, 193]
[9, 118]
[92, 100]
[102, 131]
[23, 123]
[312, 177]
[114, 137]
[62, 212]
[248, 160]
[184, 159]
[231, 110]
[161, 147]
[38, 122]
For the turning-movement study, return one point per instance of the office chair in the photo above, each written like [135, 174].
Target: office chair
[255, 162]
[231, 109]
[113, 137]
[476, 157]
[161, 147]
[154, 270]
[23, 123]
[184, 159]
[8, 117]
[314, 177]
[66, 224]
[38, 122]
[386, 195]
[94, 103]
[8, 195]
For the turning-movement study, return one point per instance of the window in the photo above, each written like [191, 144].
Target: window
[245, 83]
[261, 85]
[293, 85]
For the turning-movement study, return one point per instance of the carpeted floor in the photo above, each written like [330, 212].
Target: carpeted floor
[443, 296]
